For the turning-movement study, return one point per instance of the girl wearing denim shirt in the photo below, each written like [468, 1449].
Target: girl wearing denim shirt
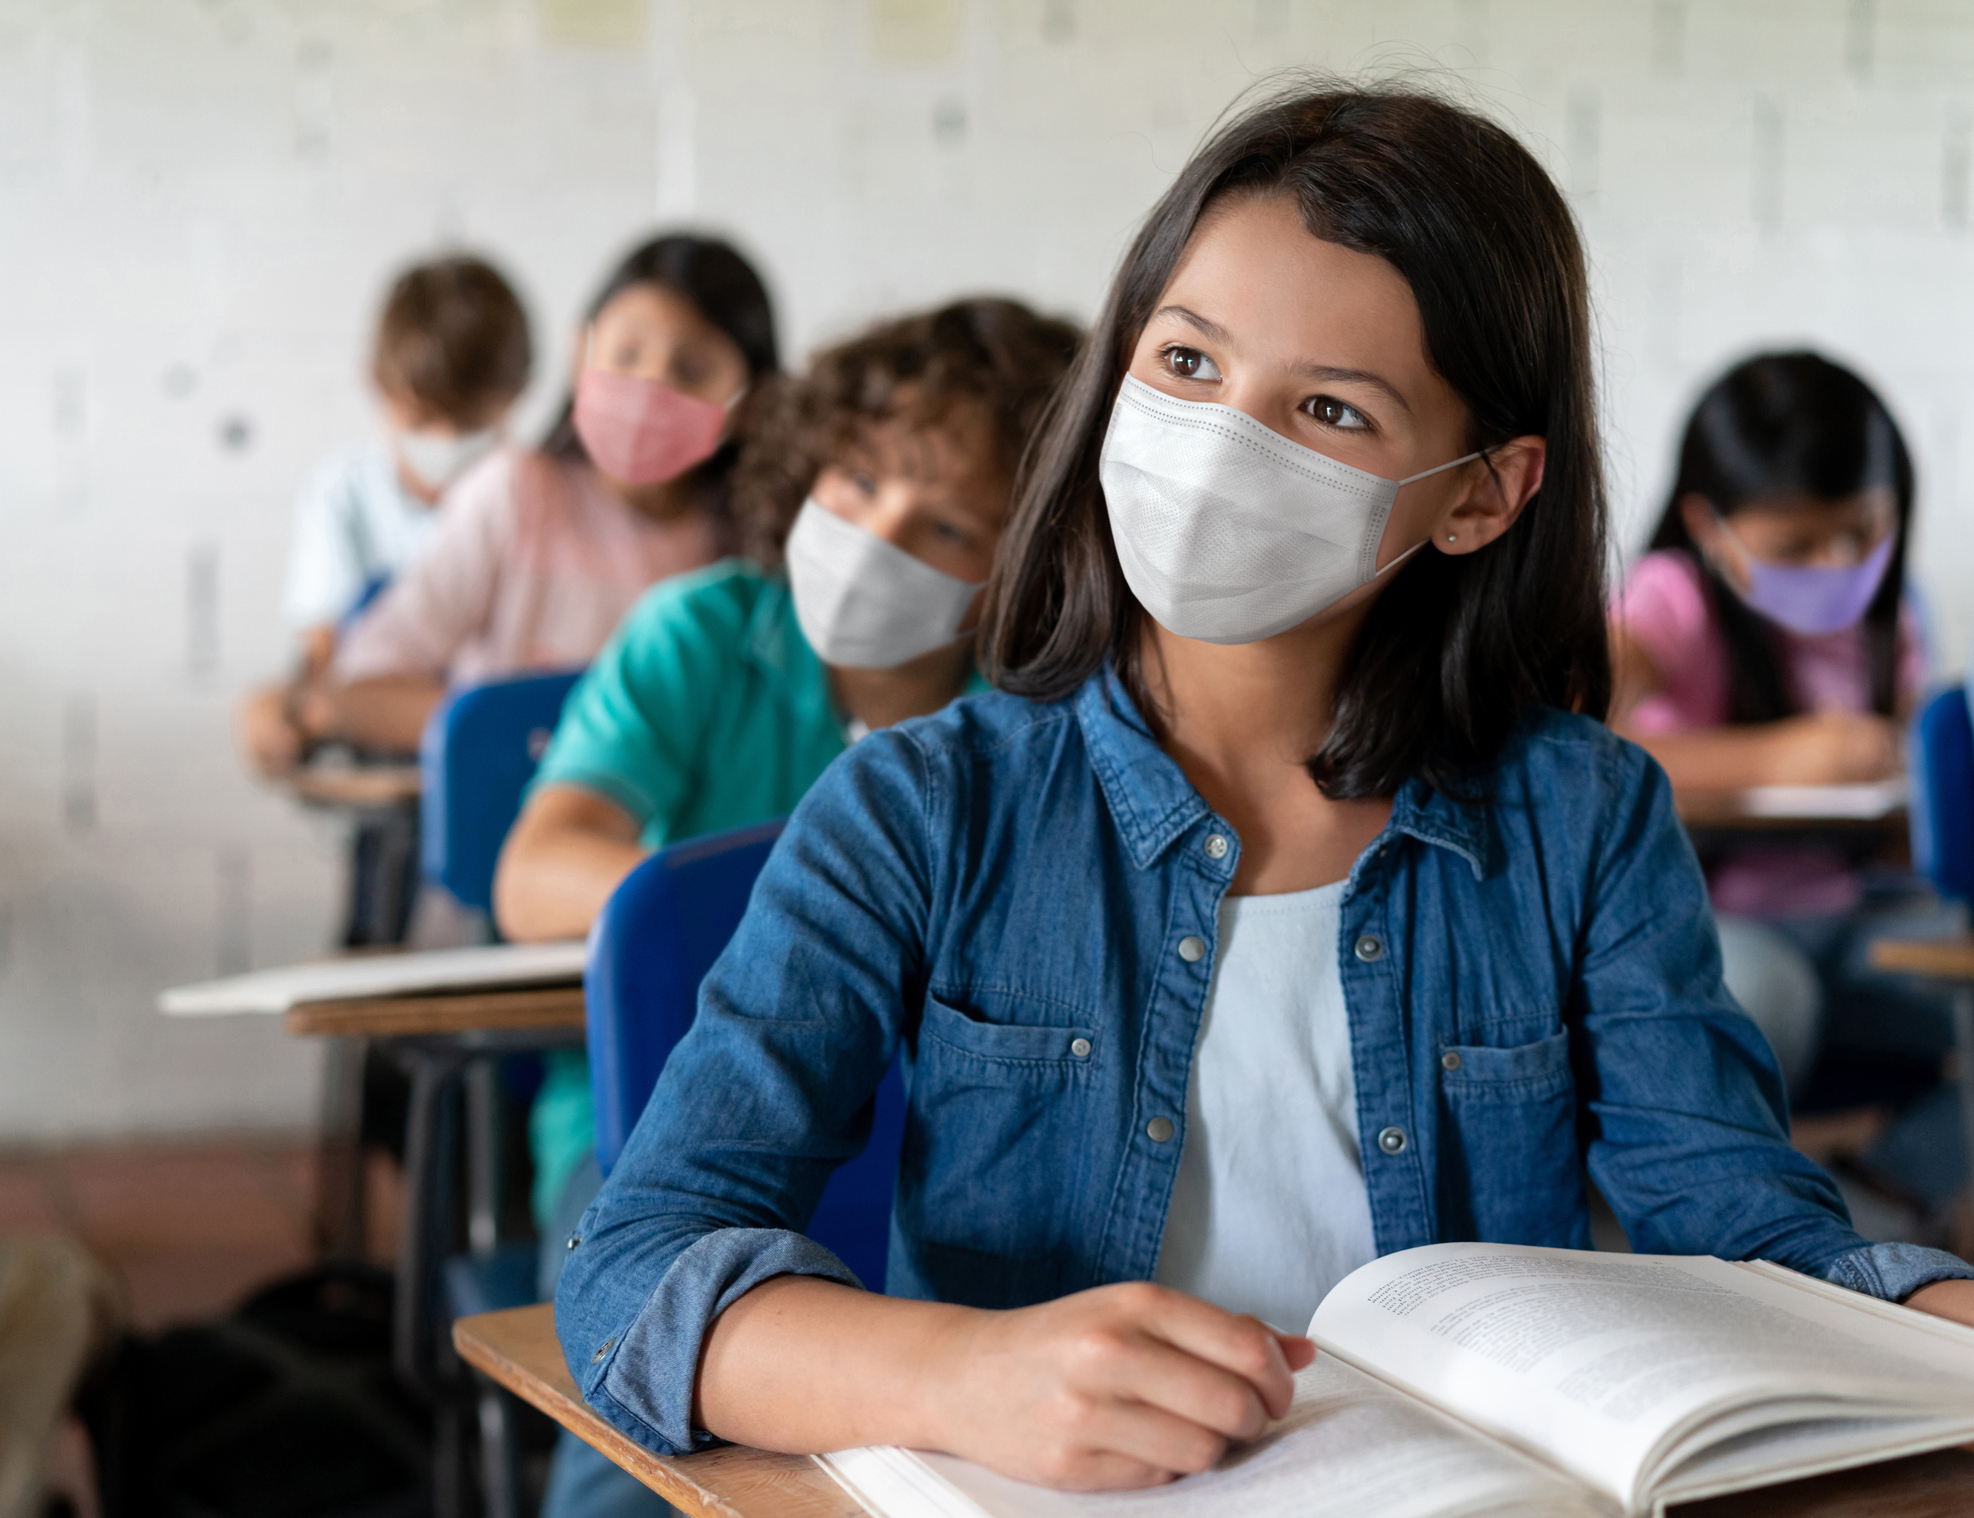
[1285, 906]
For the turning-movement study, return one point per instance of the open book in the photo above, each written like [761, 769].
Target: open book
[1468, 1379]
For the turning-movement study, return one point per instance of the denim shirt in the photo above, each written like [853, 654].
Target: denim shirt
[1022, 897]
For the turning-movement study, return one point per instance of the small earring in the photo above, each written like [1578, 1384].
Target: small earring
[1449, 537]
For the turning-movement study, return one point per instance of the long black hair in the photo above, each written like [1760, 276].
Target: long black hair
[1774, 426]
[1457, 648]
[729, 294]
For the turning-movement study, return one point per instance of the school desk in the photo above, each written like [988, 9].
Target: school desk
[449, 1043]
[518, 1349]
[1845, 809]
[381, 801]
[1949, 961]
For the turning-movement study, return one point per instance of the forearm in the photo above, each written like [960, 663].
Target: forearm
[1946, 1299]
[568, 850]
[387, 713]
[804, 1365]
[1721, 758]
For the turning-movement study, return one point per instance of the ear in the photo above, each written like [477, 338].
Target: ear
[1496, 489]
[1697, 513]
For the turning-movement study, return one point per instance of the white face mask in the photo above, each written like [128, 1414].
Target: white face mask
[865, 603]
[1227, 531]
[439, 458]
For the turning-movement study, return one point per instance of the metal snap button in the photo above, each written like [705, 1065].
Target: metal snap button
[1216, 846]
[1159, 1130]
[1370, 947]
[1192, 950]
[1450, 1060]
[1080, 1047]
[1392, 1141]
[575, 1239]
[602, 1350]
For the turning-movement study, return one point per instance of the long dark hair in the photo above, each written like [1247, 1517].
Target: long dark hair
[1779, 425]
[728, 293]
[1457, 648]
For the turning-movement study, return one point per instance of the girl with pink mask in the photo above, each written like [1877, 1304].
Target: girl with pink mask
[542, 551]
[1765, 639]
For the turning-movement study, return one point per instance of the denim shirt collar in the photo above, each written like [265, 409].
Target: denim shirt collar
[1155, 804]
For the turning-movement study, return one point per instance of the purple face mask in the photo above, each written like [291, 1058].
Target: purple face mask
[1811, 602]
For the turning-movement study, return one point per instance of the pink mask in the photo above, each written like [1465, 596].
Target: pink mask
[641, 431]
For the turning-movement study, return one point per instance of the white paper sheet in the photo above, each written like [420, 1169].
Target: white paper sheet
[361, 977]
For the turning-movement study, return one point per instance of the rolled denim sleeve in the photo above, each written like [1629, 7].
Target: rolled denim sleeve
[1893, 1272]
[770, 1090]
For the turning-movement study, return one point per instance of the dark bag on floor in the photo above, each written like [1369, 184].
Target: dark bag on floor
[286, 1409]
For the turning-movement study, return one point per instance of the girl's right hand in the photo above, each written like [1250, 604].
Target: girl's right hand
[1835, 748]
[1122, 1386]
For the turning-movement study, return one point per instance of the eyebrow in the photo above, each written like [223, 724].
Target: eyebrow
[1218, 333]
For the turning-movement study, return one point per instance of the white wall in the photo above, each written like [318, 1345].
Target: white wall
[200, 199]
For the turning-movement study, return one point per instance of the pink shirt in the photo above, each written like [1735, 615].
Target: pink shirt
[533, 566]
[1666, 609]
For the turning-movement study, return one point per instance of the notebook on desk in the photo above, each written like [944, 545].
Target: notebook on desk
[1863, 802]
[367, 976]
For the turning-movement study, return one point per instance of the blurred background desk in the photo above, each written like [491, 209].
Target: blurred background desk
[1950, 961]
[519, 1350]
[1863, 813]
[381, 804]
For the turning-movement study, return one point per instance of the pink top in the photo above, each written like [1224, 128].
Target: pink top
[533, 565]
[1665, 607]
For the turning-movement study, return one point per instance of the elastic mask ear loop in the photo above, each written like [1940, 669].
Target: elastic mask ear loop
[1464, 458]
[1478, 453]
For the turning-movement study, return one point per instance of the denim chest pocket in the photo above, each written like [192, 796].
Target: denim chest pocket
[1514, 1166]
[1527, 1072]
[957, 1050]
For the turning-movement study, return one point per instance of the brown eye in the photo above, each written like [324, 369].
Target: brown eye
[1332, 412]
[1185, 362]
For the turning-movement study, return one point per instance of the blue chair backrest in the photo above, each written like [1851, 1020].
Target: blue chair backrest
[479, 752]
[653, 943]
[1942, 799]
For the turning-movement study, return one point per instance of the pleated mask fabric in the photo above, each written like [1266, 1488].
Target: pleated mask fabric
[865, 603]
[1226, 530]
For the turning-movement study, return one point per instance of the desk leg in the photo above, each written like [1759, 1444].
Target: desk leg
[339, 1199]
[430, 1160]
[483, 1155]
[1963, 1038]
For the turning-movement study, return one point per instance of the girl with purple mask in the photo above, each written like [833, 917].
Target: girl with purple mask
[1765, 639]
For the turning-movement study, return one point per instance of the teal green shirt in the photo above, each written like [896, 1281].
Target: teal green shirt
[706, 710]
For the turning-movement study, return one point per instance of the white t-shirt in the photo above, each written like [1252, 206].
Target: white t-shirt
[354, 523]
[1269, 1210]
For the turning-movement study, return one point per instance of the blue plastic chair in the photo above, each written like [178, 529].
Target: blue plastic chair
[652, 945]
[1941, 802]
[479, 752]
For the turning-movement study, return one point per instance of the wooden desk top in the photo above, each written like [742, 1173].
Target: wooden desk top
[1947, 958]
[521, 1008]
[366, 785]
[518, 1349]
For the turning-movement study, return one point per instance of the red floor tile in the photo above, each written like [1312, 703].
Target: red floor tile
[26, 1204]
[206, 1195]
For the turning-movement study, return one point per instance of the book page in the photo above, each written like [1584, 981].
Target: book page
[1350, 1447]
[1603, 1362]
[361, 976]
